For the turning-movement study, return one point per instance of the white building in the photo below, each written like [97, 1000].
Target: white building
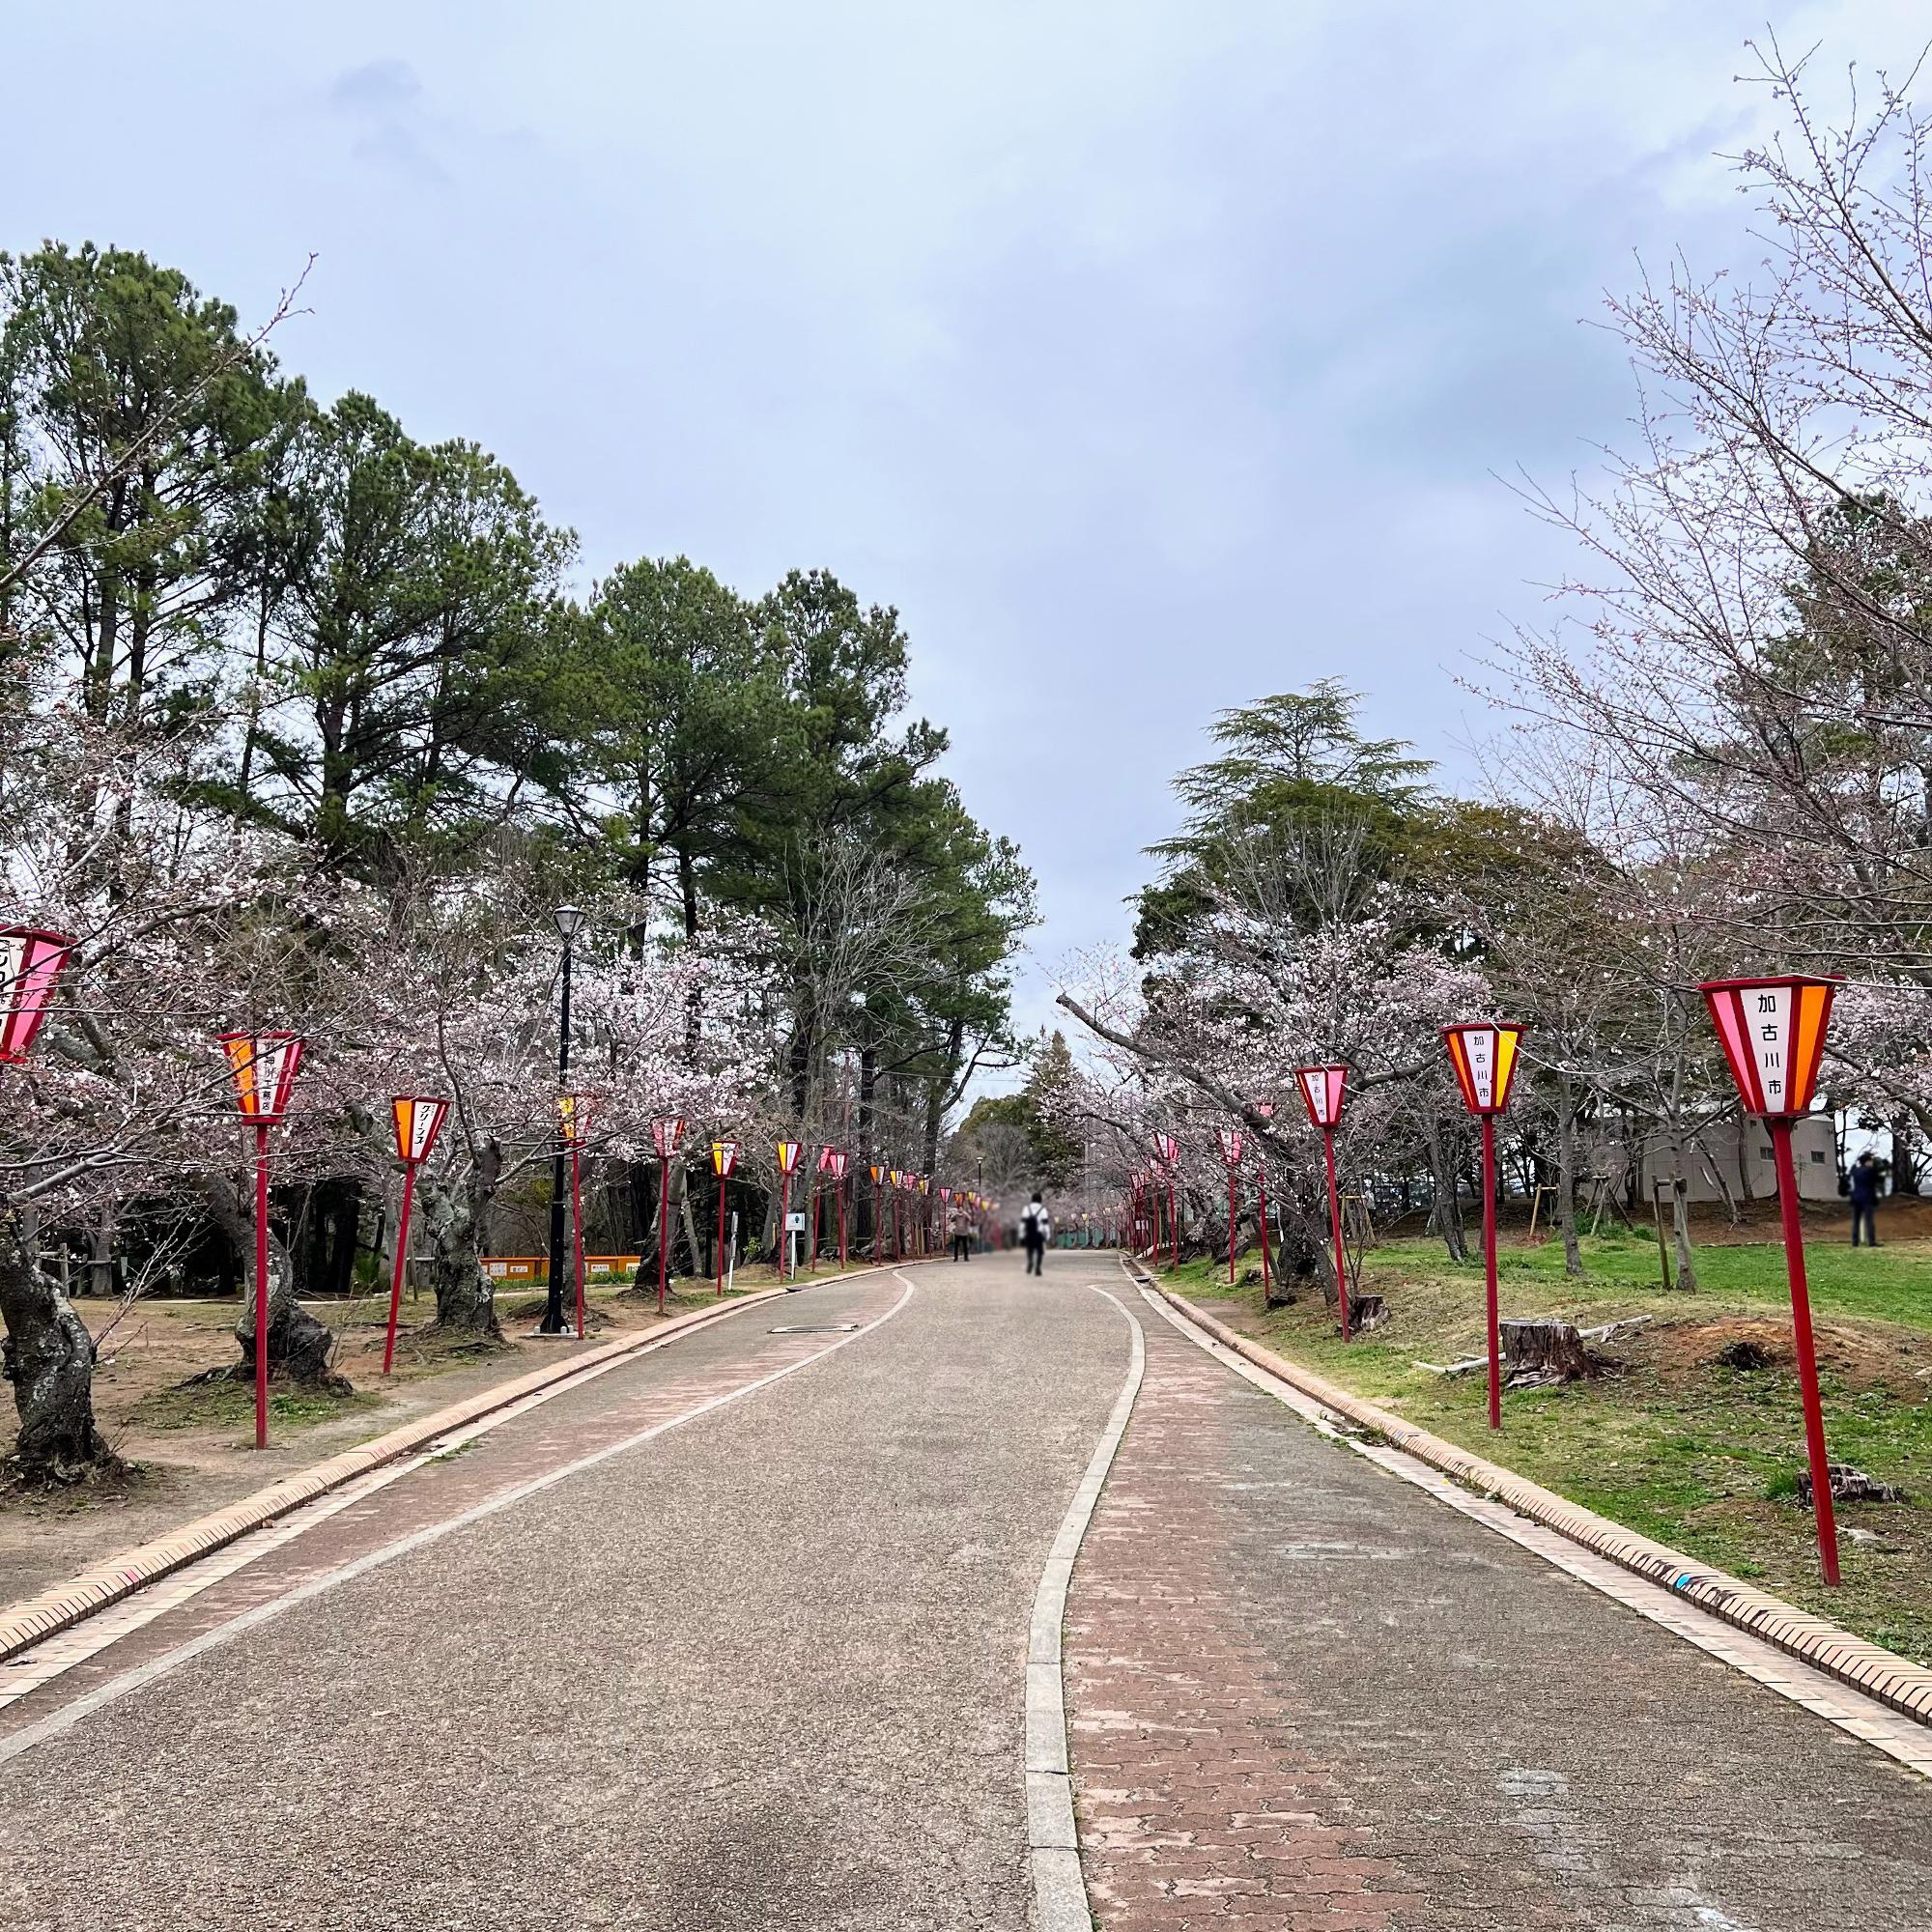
[1738, 1150]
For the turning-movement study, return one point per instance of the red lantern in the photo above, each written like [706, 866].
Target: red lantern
[1483, 1056]
[1322, 1091]
[1772, 1032]
[263, 1066]
[30, 963]
[418, 1121]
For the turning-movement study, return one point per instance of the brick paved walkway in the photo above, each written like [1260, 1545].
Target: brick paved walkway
[1303, 1696]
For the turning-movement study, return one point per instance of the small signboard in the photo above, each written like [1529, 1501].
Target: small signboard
[794, 1223]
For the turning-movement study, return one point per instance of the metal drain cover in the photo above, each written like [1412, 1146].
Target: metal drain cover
[817, 1328]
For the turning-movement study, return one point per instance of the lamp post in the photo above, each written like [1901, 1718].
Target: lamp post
[1772, 1032]
[31, 959]
[418, 1121]
[878, 1214]
[264, 1067]
[570, 922]
[666, 1130]
[723, 1158]
[574, 1113]
[1483, 1056]
[1231, 1155]
[840, 1160]
[789, 1153]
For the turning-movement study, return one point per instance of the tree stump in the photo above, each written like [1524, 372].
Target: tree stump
[1542, 1351]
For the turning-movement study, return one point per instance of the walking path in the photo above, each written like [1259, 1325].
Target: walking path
[737, 1635]
[1305, 1695]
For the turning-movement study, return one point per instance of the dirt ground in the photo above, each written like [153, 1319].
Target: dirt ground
[190, 1445]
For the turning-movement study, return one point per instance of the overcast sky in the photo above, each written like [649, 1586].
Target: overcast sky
[1149, 354]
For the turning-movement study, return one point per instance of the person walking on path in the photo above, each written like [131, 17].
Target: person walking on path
[959, 1225]
[1866, 1180]
[1035, 1229]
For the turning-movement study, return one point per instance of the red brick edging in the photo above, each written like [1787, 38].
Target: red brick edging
[1879, 1673]
[25, 1624]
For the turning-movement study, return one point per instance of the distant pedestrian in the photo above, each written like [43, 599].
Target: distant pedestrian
[1036, 1231]
[1867, 1182]
[959, 1225]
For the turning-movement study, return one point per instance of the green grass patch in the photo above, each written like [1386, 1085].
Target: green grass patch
[1668, 1439]
[225, 1401]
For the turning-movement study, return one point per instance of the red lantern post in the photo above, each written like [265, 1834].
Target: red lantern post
[723, 1158]
[789, 1153]
[264, 1067]
[666, 1130]
[1323, 1090]
[1483, 1056]
[825, 1155]
[1265, 1109]
[418, 1121]
[1168, 1150]
[1231, 1155]
[898, 1178]
[1772, 1032]
[840, 1160]
[878, 1214]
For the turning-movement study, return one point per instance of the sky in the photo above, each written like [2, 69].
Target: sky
[1149, 355]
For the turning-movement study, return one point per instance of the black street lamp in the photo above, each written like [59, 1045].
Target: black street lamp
[570, 922]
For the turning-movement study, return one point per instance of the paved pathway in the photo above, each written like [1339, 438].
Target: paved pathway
[762, 1671]
[1303, 1696]
[734, 1636]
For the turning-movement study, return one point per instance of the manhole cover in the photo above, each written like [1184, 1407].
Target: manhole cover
[817, 1328]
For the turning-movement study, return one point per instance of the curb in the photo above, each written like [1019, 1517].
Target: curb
[1879, 1673]
[1053, 1838]
[61, 1605]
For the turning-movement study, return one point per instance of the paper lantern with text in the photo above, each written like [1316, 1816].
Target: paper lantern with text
[263, 1066]
[1483, 1056]
[1772, 1032]
[418, 1121]
[1324, 1090]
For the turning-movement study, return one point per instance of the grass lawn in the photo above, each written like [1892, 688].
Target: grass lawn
[1668, 1439]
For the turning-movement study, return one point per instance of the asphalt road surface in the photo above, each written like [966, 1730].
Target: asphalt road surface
[734, 1636]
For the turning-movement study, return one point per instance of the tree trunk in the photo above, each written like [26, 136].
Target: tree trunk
[455, 1220]
[48, 1357]
[299, 1345]
[1679, 1214]
[1445, 1212]
[1566, 1175]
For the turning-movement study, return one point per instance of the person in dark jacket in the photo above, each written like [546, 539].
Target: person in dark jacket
[1036, 1229]
[1868, 1181]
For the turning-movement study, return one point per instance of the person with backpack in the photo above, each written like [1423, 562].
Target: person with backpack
[1036, 1231]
